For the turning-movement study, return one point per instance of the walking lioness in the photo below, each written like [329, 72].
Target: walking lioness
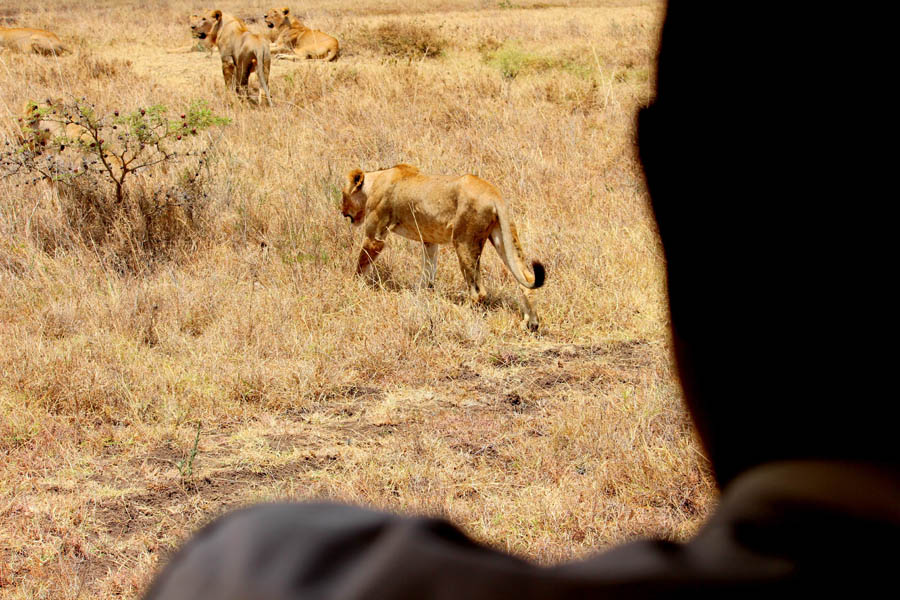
[437, 209]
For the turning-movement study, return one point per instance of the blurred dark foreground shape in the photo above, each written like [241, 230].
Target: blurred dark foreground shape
[763, 158]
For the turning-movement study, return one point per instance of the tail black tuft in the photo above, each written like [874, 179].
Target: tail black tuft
[539, 274]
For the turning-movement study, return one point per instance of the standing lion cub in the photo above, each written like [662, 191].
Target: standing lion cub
[437, 209]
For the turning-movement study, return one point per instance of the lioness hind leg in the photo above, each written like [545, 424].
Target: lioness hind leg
[429, 264]
[469, 254]
[263, 75]
[243, 80]
[529, 315]
[229, 75]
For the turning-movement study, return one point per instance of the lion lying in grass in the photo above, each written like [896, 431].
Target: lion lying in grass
[43, 124]
[436, 209]
[46, 128]
[241, 51]
[29, 40]
[292, 37]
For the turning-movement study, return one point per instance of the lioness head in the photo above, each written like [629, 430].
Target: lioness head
[275, 17]
[39, 122]
[353, 203]
[206, 24]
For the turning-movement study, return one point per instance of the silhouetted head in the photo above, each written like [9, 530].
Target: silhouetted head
[776, 311]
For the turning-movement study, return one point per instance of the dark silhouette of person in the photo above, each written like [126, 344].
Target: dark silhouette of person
[763, 156]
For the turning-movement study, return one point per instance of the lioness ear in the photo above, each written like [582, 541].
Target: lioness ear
[356, 178]
[286, 10]
[217, 14]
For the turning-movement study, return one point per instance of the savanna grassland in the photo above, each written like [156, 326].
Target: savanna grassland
[161, 365]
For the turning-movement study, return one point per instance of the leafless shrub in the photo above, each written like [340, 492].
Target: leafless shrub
[405, 40]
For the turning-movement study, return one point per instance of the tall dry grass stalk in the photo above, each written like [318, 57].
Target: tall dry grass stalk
[305, 381]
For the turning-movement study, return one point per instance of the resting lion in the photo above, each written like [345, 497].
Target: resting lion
[242, 52]
[292, 37]
[437, 209]
[42, 124]
[197, 45]
[45, 128]
[28, 40]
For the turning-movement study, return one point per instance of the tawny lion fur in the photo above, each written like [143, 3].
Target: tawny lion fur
[464, 211]
[241, 51]
[292, 37]
[28, 40]
[44, 125]
[197, 45]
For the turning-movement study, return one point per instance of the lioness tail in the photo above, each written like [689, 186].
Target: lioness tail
[263, 58]
[506, 241]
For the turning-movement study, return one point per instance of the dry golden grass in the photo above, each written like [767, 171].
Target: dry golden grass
[307, 382]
